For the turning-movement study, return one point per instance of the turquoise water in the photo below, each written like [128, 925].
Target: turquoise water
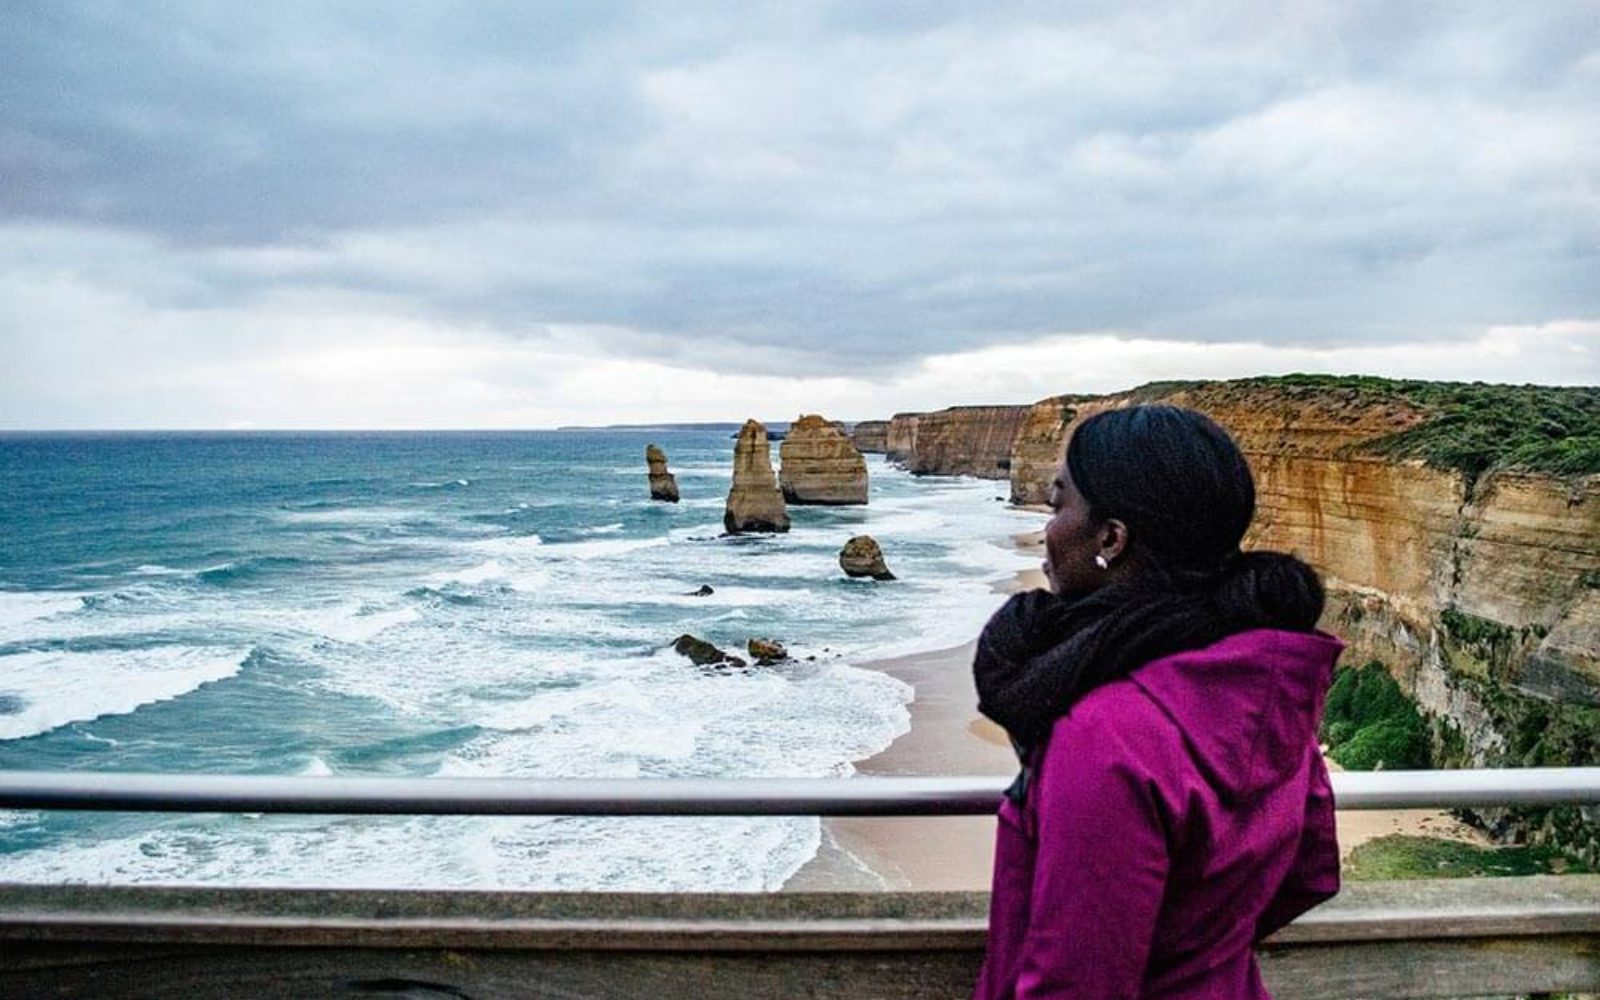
[447, 604]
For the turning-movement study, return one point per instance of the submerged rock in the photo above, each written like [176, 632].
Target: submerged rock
[663, 484]
[861, 556]
[702, 653]
[754, 503]
[704, 591]
[821, 465]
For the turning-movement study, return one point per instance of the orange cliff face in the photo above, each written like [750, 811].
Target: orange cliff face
[900, 437]
[1042, 440]
[959, 441]
[1462, 587]
[871, 437]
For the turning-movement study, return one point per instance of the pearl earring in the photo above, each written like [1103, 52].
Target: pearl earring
[1102, 562]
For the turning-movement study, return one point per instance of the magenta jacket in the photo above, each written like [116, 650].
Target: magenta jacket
[1174, 818]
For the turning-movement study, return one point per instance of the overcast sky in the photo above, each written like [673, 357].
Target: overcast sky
[408, 215]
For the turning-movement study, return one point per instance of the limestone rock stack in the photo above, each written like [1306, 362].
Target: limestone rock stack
[820, 465]
[754, 502]
[663, 484]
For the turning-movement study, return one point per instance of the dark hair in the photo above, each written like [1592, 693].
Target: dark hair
[1185, 492]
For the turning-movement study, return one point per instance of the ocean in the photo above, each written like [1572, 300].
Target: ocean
[484, 604]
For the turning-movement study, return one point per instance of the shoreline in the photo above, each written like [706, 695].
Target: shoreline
[949, 737]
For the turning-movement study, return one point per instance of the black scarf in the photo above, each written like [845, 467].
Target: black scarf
[1040, 653]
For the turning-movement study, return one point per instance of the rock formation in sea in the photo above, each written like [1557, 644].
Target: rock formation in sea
[766, 651]
[703, 654]
[1457, 529]
[663, 484]
[862, 557]
[820, 465]
[871, 437]
[754, 502]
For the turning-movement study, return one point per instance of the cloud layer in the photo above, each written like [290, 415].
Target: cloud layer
[539, 214]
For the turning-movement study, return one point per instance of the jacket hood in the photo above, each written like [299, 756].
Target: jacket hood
[1248, 705]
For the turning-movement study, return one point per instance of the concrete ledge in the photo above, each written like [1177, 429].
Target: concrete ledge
[1438, 938]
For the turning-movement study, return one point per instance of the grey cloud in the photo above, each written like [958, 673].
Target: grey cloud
[798, 189]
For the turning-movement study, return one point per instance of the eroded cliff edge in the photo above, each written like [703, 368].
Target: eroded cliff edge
[958, 441]
[1458, 531]
[871, 437]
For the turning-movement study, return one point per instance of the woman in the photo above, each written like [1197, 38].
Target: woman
[1164, 696]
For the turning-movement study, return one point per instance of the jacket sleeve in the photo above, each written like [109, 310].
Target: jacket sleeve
[1102, 858]
[1314, 875]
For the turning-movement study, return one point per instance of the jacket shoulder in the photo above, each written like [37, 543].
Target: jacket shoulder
[1118, 741]
[1120, 706]
[1119, 722]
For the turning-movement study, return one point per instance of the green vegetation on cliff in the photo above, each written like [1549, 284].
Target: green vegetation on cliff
[1369, 723]
[1536, 732]
[1475, 427]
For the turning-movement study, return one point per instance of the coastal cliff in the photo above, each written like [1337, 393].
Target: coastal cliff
[1458, 532]
[1039, 444]
[871, 437]
[900, 439]
[959, 441]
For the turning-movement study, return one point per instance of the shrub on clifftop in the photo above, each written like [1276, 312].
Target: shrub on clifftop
[1475, 427]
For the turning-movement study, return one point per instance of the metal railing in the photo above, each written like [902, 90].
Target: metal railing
[954, 796]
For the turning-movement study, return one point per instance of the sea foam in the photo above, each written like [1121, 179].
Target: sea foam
[20, 607]
[50, 689]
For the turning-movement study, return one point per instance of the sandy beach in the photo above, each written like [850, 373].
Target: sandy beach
[948, 737]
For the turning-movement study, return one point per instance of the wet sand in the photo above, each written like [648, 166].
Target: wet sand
[947, 737]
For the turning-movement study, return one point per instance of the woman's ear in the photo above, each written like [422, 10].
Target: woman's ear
[1113, 539]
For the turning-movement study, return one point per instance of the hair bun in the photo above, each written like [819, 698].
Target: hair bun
[1269, 590]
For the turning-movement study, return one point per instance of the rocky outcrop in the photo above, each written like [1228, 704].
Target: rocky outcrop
[962, 441]
[900, 440]
[766, 651]
[703, 654]
[754, 501]
[820, 465]
[1479, 590]
[871, 437]
[663, 484]
[862, 557]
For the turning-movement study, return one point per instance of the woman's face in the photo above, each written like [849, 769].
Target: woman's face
[1072, 539]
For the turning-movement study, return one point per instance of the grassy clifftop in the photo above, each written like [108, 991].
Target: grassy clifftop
[1472, 426]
